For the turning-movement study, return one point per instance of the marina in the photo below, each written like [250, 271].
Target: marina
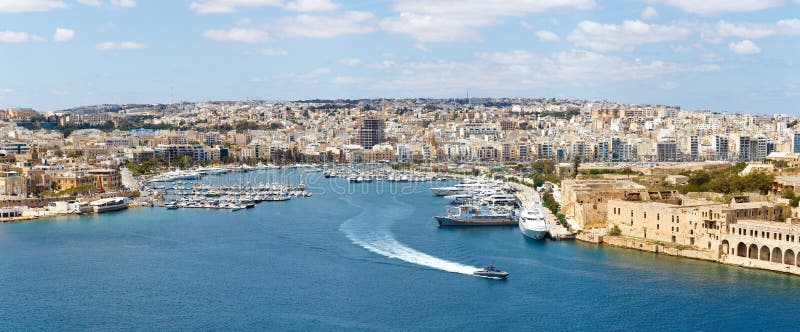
[381, 173]
[231, 194]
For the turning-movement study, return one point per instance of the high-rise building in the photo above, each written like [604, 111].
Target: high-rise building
[694, 147]
[667, 151]
[721, 147]
[628, 152]
[763, 147]
[545, 150]
[744, 148]
[796, 143]
[602, 151]
[371, 133]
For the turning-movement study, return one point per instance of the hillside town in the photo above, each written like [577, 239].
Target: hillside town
[695, 183]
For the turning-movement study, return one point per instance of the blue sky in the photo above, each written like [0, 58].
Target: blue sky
[723, 55]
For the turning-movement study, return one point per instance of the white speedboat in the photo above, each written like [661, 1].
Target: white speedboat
[532, 224]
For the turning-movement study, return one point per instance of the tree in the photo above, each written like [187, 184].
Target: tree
[576, 162]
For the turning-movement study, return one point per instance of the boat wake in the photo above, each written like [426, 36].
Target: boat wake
[375, 236]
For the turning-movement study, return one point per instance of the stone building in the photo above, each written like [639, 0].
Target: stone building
[12, 184]
[749, 234]
[106, 180]
[69, 180]
[586, 201]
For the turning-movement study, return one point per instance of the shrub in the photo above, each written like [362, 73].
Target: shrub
[615, 231]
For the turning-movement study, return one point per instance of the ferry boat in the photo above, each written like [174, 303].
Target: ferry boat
[466, 215]
[532, 224]
[109, 204]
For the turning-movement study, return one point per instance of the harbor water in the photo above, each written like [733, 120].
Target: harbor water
[365, 256]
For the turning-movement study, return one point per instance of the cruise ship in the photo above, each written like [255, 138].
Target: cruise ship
[477, 216]
[532, 224]
[109, 204]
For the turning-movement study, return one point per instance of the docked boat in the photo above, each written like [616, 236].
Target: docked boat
[447, 191]
[467, 215]
[532, 224]
[109, 204]
[501, 199]
[460, 199]
[491, 272]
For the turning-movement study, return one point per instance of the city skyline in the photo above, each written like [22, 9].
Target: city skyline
[717, 55]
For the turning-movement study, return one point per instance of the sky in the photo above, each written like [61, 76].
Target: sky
[722, 55]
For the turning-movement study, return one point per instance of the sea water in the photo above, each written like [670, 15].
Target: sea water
[364, 256]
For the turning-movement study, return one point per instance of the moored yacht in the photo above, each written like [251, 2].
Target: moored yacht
[532, 224]
[109, 204]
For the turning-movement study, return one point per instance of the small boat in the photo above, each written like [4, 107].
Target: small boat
[491, 272]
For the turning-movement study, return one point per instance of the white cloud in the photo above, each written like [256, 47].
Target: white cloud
[93, 3]
[123, 3]
[343, 80]
[461, 20]
[242, 35]
[706, 7]
[517, 71]
[350, 62]
[311, 6]
[125, 45]
[426, 28]
[112, 3]
[748, 30]
[8, 36]
[526, 25]
[547, 36]
[648, 13]
[325, 26]
[613, 37]
[22, 6]
[273, 52]
[422, 47]
[744, 30]
[5, 91]
[790, 26]
[230, 6]
[309, 77]
[63, 35]
[669, 85]
[304, 26]
[744, 47]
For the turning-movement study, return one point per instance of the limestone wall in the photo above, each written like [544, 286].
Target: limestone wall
[643, 245]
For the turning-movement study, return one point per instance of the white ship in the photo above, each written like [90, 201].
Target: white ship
[468, 186]
[532, 224]
[109, 204]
